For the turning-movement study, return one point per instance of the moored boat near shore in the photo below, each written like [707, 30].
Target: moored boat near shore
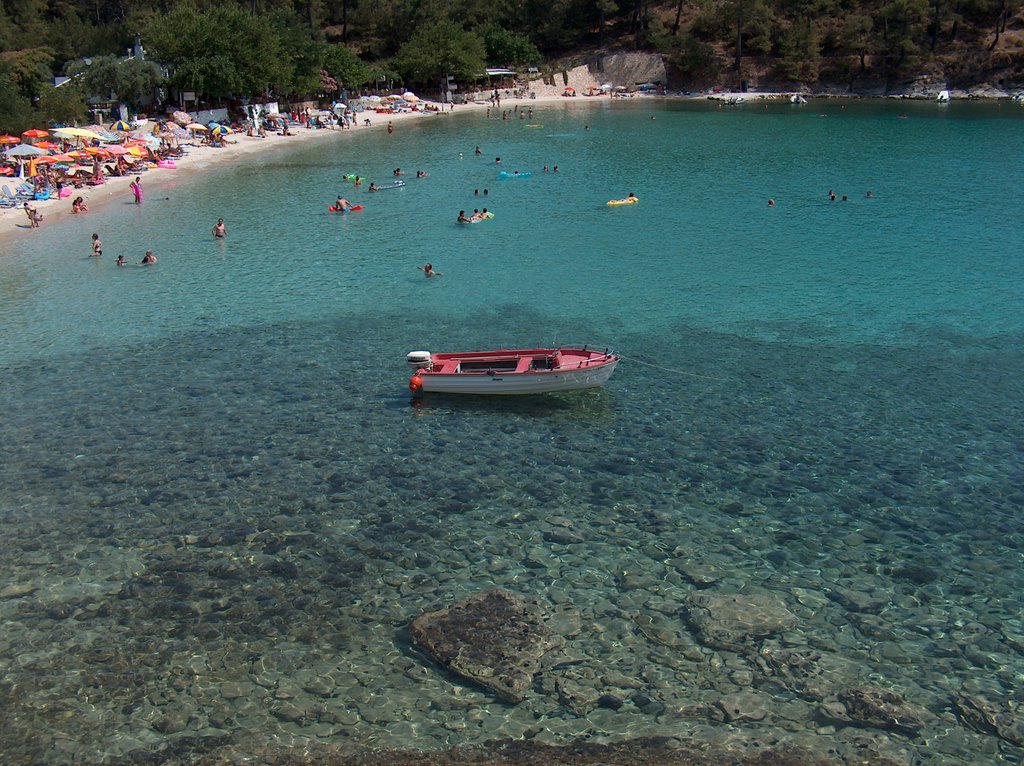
[506, 371]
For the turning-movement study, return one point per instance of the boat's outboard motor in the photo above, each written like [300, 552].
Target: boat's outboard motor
[418, 359]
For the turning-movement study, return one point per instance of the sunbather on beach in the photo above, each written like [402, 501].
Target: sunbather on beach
[79, 206]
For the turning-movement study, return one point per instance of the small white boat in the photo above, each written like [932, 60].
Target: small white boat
[510, 371]
[943, 97]
[796, 98]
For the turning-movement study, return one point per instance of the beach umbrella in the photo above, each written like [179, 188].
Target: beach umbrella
[121, 126]
[35, 133]
[24, 150]
[116, 151]
[410, 96]
[220, 130]
[136, 151]
[78, 133]
[8, 140]
[45, 145]
[196, 126]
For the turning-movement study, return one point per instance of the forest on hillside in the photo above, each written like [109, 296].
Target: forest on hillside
[226, 50]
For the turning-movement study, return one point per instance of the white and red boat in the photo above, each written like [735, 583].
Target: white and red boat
[516, 371]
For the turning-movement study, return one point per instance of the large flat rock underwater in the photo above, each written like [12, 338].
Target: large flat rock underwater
[495, 639]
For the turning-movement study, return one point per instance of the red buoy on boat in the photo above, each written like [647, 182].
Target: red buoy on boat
[415, 383]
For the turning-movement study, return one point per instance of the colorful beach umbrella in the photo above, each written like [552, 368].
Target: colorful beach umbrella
[220, 130]
[46, 145]
[121, 126]
[35, 133]
[8, 140]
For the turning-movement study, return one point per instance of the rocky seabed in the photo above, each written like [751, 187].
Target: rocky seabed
[239, 565]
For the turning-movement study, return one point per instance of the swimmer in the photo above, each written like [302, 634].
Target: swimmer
[97, 246]
[420, 174]
[545, 168]
[358, 181]
[771, 202]
[428, 271]
[477, 151]
[219, 229]
[486, 192]
[398, 172]
[869, 195]
[497, 160]
[121, 261]
[476, 192]
[831, 195]
[148, 259]
[462, 217]
[373, 186]
[554, 169]
[342, 204]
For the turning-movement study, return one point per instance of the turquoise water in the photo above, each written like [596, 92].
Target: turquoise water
[216, 494]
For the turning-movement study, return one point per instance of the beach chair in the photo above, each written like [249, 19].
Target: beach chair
[17, 196]
[6, 199]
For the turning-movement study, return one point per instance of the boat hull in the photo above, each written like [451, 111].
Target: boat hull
[519, 383]
[511, 372]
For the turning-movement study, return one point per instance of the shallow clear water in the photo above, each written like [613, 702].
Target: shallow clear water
[213, 464]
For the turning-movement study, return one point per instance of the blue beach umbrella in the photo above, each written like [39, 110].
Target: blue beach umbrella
[220, 130]
[121, 125]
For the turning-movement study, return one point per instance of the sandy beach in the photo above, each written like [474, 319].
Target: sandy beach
[199, 159]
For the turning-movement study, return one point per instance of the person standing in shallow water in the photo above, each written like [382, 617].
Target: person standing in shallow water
[219, 229]
[137, 190]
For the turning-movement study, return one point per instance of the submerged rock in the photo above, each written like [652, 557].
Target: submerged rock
[988, 717]
[495, 639]
[875, 707]
[733, 620]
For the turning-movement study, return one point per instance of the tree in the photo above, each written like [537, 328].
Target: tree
[506, 48]
[65, 105]
[29, 70]
[131, 81]
[441, 49]
[15, 109]
[221, 53]
[800, 53]
[345, 66]
[855, 37]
